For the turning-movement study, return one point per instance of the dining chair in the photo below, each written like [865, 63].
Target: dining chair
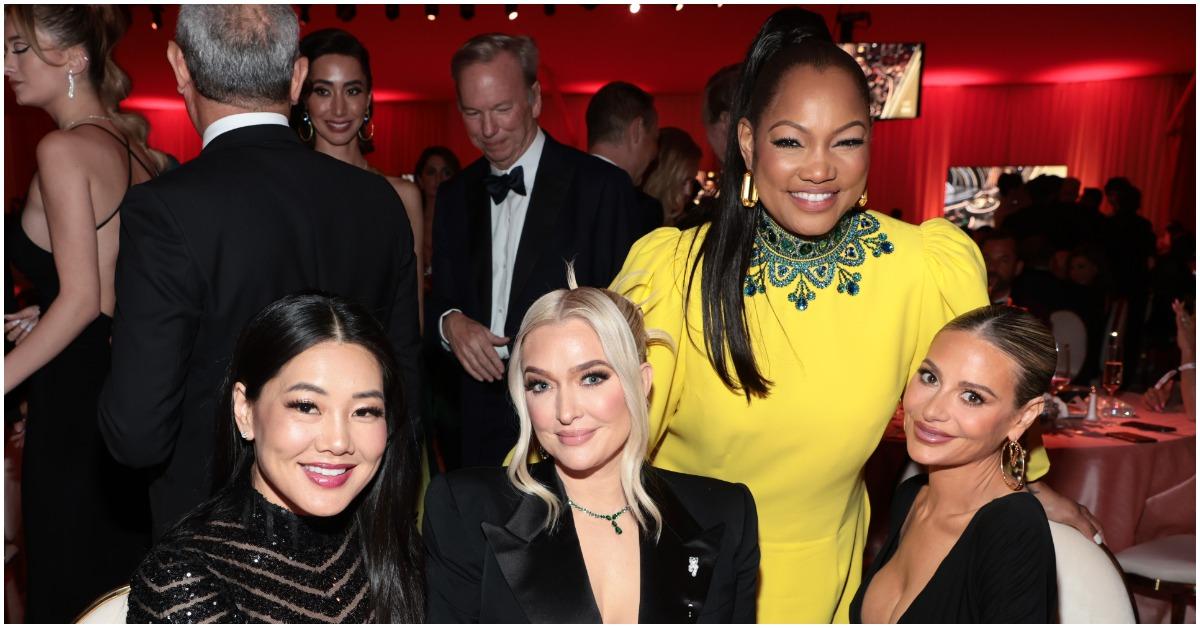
[1090, 587]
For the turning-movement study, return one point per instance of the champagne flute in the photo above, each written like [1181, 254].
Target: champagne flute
[1114, 371]
[1062, 371]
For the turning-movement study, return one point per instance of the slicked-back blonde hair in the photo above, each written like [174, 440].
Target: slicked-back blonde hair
[622, 332]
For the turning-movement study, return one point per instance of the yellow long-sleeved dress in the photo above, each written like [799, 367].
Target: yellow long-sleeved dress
[838, 325]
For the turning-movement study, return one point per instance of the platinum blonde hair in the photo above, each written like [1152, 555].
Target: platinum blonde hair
[623, 334]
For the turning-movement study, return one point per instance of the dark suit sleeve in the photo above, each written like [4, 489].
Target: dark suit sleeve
[159, 300]
[404, 329]
[618, 225]
[453, 559]
[1015, 562]
[745, 561]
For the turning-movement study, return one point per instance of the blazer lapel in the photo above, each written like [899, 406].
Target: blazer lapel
[677, 571]
[544, 568]
[549, 199]
[479, 226]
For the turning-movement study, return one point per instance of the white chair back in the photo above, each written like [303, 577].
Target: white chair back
[111, 608]
[1091, 589]
[1068, 329]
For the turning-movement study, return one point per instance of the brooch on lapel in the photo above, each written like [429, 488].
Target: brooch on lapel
[693, 565]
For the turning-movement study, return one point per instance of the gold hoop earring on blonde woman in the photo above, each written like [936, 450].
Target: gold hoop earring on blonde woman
[1012, 464]
[862, 200]
[749, 191]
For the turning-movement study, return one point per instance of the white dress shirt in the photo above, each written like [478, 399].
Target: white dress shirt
[508, 222]
[239, 120]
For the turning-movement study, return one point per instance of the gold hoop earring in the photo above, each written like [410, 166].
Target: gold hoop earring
[366, 121]
[1014, 472]
[749, 191]
[309, 125]
[862, 200]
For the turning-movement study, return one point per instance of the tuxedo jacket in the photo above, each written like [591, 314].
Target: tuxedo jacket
[650, 212]
[582, 209]
[489, 560]
[204, 247]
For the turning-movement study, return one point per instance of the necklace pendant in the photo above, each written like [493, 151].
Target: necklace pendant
[617, 528]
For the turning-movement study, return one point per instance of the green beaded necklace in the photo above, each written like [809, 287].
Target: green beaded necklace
[609, 518]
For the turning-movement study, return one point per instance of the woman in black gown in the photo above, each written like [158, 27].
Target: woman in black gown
[967, 544]
[85, 519]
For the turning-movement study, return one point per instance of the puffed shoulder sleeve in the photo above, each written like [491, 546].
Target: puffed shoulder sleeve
[175, 586]
[654, 278]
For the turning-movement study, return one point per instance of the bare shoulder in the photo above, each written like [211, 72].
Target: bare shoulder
[407, 191]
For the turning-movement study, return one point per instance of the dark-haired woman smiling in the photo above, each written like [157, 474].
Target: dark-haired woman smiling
[315, 519]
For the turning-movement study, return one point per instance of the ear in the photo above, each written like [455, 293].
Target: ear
[535, 99]
[183, 77]
[299, 73]
[746, 142]
[647, 378]
[243, 411]
[77, 61]
[1027, 415]
[636, 133]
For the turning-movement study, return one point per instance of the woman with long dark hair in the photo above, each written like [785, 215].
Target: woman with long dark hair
[314, 519]
[334, 117]
[79, 507]
[799, 316]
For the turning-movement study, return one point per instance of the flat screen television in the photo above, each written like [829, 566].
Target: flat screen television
[894, 75]
[972, 196]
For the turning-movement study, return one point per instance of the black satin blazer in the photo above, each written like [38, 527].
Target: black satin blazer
[488, 559]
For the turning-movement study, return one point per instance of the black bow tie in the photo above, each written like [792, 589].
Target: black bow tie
[498, 185]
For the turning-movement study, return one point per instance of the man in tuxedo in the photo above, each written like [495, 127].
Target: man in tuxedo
[254, 217]
[622, 129]
[506, 226]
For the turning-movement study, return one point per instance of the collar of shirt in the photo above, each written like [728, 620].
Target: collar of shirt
[528, 161]
[599, 156]
[239, 120]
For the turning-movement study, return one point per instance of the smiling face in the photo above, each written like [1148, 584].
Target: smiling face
[810, 150]
[960, 405]
[575, 398]
[319, 429]
[499, 111]
[35, 82]
[339, 98]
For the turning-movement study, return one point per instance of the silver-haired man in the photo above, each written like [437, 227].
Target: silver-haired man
[255, 216]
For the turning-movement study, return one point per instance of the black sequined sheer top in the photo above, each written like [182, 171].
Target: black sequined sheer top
[247, 560]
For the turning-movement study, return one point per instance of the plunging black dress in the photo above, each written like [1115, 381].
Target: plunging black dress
[1000, 571]
[85, 518]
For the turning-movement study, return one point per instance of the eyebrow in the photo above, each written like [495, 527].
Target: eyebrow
[962, 384]
[313, 388]
[574, 369]
[803, 129]
[329, 82]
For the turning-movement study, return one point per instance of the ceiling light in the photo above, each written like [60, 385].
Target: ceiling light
[391, 11]
[634, 8]
[511, 10]
[679, 7]
[467, 11]
[346, 12]
[304, 17]
[155, 16]
[431, 12]
[549, 9]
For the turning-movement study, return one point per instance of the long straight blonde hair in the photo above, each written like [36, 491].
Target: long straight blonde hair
[619, 325]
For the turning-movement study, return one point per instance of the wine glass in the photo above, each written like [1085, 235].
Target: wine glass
[1114, 371]
[1062, 371]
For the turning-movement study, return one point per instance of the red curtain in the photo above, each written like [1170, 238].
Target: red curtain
[1098, 130]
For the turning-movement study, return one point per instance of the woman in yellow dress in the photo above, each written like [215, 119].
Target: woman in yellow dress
[821, 311]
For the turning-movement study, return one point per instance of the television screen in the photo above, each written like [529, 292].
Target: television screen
[894, 75]
[972, 196]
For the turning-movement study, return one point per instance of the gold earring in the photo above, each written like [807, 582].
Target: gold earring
[366, 121]
[749, 191]
[309, 125]
[862, 200]
[1013, 473]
